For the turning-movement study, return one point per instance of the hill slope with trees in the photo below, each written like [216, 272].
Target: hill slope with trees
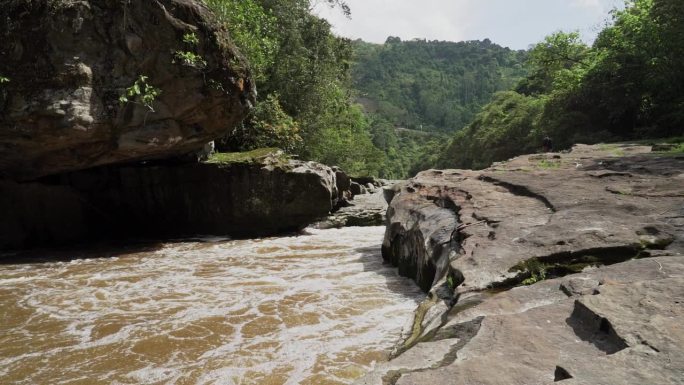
[310, 81]
[627, 85]
[432, 85]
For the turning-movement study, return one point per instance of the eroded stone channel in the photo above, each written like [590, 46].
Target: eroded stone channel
[313, 309]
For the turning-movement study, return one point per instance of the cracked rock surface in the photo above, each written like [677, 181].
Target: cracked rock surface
[554, 268]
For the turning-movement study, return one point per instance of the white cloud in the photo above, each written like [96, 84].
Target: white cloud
[511, 23]
[375, 20]
[593, 5]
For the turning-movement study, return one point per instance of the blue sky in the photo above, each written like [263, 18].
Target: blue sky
[512, 23]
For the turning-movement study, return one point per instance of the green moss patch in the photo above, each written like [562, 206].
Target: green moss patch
[254, 156]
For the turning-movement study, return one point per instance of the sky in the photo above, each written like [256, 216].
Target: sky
[512, 23]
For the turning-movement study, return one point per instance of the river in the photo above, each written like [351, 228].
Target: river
[318, 308]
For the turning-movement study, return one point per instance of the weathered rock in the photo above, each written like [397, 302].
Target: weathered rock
[532, 219]
[239, 199]
[69, 62]
[510, 216]
[343, 180]
[366, 180]
[363, 210]
[423, 356]
[357, 189]
[627, 333]
[343, 185]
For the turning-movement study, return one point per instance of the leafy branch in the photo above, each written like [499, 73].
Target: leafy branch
[142, 91]
[189, 58]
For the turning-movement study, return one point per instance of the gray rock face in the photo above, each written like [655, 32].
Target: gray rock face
[535, 228]
[239, 199]
[68, 63]
[363, 210]
[627, 333]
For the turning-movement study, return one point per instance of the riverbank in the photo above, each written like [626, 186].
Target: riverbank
[549, 267]
[264, 194]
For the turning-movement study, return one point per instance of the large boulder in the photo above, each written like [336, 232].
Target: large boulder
[245, 197]
[70, 62]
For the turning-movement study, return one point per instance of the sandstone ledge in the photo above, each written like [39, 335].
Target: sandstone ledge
[258, 197]
[512, 258]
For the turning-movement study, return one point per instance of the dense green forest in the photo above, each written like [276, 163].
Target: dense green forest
[432, 85]
[627, 85]
[310, 81]
[306, 103]
[302, 76]
[389, 109]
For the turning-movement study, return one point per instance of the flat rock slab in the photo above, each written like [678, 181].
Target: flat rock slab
[567, 266]
[627, 332]
[511, 214]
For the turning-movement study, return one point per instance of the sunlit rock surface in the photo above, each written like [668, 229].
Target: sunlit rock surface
[560, 267]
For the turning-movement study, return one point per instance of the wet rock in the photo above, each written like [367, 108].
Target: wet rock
[423, 356]
[158, 200]
[69, 62]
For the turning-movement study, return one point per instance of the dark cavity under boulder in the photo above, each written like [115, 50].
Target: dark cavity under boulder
[254, 198]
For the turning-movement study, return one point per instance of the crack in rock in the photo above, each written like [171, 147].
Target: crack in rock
[518, 190]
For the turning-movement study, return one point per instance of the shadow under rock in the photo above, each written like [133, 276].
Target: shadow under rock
[108, 249]
[371, 258]
[650, 164]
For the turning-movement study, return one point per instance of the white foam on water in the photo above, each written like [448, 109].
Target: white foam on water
[219, 310]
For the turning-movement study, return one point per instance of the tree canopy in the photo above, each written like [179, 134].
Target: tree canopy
[432, 85]
[628, 85]
[386, 109]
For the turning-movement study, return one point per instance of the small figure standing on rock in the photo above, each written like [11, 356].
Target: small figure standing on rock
[547, 145]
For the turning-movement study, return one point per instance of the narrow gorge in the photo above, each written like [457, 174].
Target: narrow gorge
[152, 231]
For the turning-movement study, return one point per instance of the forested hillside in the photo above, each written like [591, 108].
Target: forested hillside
[413, 94]
[307, 103]
[302, 72]
[628, 85]
[432, 85]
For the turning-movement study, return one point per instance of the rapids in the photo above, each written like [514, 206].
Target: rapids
[318, 308]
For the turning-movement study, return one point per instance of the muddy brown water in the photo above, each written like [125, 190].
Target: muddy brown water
[318, 308]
